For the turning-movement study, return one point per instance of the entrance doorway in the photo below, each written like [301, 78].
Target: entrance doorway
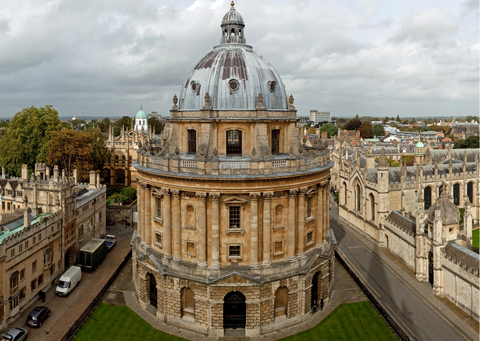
[69, 257]
[430, 267]
[153, 290]
[234, 311]
[314, 300]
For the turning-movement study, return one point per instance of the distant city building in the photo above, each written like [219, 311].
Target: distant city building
[320, 116]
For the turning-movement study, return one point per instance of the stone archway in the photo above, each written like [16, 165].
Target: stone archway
[152, 294]
[314, 298]
[69, 257]
[234, 312]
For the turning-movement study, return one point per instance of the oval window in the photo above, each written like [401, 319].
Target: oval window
[272, 86]
[194, 85]
[233, 84]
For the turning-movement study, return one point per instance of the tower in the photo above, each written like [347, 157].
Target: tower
[141, 122]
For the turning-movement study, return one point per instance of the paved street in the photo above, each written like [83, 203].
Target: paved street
[410, 302]
[65, 310]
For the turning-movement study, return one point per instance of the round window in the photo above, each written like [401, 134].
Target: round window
[193, 85]
[272, 86]
[233, 84]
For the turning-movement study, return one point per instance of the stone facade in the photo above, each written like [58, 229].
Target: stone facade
[50, 217]
[233, 214]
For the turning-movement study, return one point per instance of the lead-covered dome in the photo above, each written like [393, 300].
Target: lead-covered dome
[233, 75]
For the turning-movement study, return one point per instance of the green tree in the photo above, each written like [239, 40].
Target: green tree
[154, 122]
[125, 122]
[353, 124]
[312, 130]
[99, 153]
[330, 129]
[398, 118]
[385, 120]
[469, 118]
[378, 130]
[27, 138]
[366, 130]
[469, 142]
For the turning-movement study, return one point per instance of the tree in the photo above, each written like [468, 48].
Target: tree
[398, 118]
[312, 130]
[155, 123]
[26, 139]
[125, 122]
[469, 118]
[385, 120]
[469, 142]
[366, 130]
[330, 129]
[378, 130]
[83, 150]
[353, 124]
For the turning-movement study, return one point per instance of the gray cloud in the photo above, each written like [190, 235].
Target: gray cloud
[386, 23]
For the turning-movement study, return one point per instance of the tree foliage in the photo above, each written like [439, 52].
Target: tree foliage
[353, 124]
[312, 130]
[83, 150]
[125, 122]
[330, 129]
[124, 197]
[26, 140]
[366, 130]
[469, 142]
[378, 130]
[155, 123]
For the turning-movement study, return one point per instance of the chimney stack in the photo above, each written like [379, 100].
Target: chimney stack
[91, 185]
[55, 173]
[27, 217]
[24, 172]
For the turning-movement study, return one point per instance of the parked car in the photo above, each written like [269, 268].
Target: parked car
[37, 316]
[111, 240]
[69, 280]
[15, 334]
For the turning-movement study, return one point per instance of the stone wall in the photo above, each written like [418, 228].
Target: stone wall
[118, 213]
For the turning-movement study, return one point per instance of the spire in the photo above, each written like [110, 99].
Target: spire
[383, 161]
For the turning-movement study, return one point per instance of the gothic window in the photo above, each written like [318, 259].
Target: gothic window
[456, 194]
[116, 160]
[470, 192]
[276, 141]
[440, 190]
[234, 142]
[120, 173]
[123, 160]
[192, 141]
[358, 197]
[372, 205]
[346, 193]
[234, 215]
[14, 282]
[427, 197]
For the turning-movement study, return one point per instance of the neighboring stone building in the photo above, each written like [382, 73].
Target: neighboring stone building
[369, 196]
[233, 230]
[46, 220]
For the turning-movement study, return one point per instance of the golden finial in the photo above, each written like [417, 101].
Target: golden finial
[233, 4]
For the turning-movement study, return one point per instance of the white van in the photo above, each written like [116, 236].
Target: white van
[69, 280]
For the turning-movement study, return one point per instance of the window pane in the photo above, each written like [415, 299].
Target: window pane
[234, 217]
[234, 142]
[276, 141]
[192, 141]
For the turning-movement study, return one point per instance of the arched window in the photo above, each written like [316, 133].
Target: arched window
[440, 190]
[120, 173]
[123, 160]
[106, 175]
[234, 142]
[427, 197]
[190, 216]
[372, 206]
[276, 141]
[116, 160]
[470, 192]
[279, 216]
[192, 141]
[456, 194]
[345, 195]
[14, 282]
[281, 302]
[188, 303]
[358, 197]
[233, 32]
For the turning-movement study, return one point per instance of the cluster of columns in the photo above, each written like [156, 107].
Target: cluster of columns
[172, 234]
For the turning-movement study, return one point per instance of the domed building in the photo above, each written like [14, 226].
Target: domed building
[233, 228]
[141, 121]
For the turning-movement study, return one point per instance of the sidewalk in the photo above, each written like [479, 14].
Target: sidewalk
[422, 288]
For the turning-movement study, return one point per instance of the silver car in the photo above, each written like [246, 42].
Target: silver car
[15, 334]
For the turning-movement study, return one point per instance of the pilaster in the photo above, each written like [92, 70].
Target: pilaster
[254, 230]
[291, 225]
[202, 233]
[267, 207]
[215, 231]
[177, 232]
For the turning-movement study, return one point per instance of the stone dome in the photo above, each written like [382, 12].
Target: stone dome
[233, 75]
[449, 212]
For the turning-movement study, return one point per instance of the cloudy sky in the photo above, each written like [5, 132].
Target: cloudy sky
[368, 57]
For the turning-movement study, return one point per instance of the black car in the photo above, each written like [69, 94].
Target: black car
[37, 316]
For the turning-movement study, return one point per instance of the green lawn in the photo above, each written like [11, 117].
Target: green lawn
[119, 323]
[350, 321]
[475, 237]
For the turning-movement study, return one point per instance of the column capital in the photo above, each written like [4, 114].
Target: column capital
[165, 191]
[176, 193]
[293, 192]
[267, 195]
[303, 191]
[254, 196]
[201, 196]
[215, 196]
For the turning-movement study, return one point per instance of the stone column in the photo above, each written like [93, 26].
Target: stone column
[202, 230]
[139, 211]
[177, 232]
[319, 232]
[327, 208]
[167, 224]
[254, 230]
[267, 242]
[301, 222]
[215, 231]
[291, 225]
[147, 229]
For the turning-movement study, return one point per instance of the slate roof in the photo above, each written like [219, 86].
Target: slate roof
[455, 153]
[404, 223]
[463, 257]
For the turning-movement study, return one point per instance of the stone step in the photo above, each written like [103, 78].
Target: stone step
[235, 334]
